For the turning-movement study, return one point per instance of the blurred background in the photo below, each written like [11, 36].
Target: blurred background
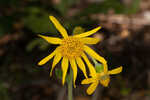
[125, 40]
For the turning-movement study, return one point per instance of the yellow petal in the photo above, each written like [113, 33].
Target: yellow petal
[81, 66]
[89, 40]
[51, 40]
[88, 33]
[59, 27]
[87, 81]
[57, 58]
[90, 66]
[46, 59]
[116, 70]
[74, 68]
[96, 56]
[92, 88]
[105, 68]
[105, 82]
[64, 66]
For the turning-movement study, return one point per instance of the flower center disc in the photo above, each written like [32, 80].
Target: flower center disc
[71, 47]
[102, 76]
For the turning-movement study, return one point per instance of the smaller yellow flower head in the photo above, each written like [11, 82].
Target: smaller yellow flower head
[72, 49]
[102, 77]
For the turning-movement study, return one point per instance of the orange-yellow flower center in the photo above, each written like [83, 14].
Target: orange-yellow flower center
[102, 76]
[71, 47]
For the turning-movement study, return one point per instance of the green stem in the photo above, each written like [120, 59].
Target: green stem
[70, 86]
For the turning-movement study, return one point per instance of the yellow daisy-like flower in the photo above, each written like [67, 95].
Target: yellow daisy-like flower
[71, 49]
[102, 77]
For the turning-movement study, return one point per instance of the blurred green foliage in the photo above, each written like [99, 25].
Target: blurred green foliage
[35, 16]
[64, 6]
[8, 2]
[38, 21]
[134, 7]
[5, 24]
[125, 91]
[3, 92]
[105, 6]
[40, 43]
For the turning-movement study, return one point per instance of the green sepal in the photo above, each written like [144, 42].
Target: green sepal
[78, 30]
[99, 67]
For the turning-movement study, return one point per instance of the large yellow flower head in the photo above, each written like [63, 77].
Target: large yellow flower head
[102, 77]
[71, 49]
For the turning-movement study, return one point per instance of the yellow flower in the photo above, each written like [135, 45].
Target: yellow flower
[102, 77]
[71, 49]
